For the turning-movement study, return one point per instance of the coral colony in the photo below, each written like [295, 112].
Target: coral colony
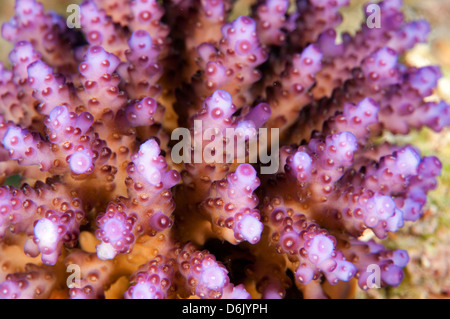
[115, 201]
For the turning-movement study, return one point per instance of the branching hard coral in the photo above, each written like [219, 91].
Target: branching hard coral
[146, 133]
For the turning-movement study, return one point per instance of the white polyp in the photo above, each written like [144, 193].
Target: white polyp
[251, 228]
[80, 161]
[47, 233]
[246, 129]
[246, 174]
[213, 277]
[143, 291]
[106, 251]
[320, 249]
[113, 228]
[147, 153]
